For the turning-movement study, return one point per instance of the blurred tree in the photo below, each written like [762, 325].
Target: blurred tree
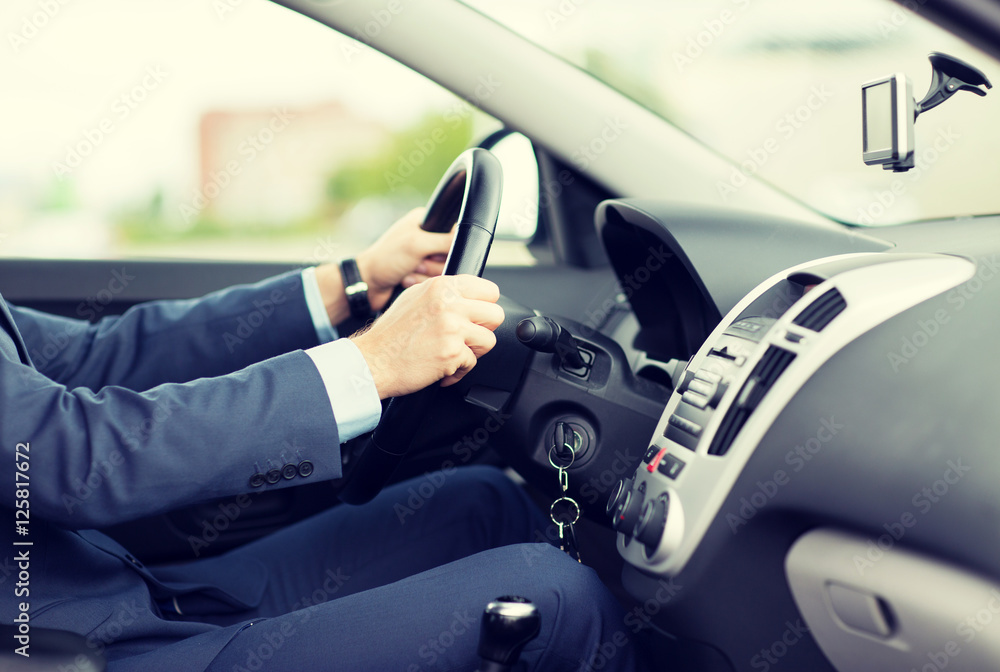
[605, 67]
[402, 172]
[59, 195]
[409, 166]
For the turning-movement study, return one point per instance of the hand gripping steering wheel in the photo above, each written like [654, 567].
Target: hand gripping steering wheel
[469, 194]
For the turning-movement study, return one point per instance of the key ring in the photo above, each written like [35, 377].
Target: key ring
[570, 500]
[572, 452]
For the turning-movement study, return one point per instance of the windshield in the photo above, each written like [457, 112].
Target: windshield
[775, 86]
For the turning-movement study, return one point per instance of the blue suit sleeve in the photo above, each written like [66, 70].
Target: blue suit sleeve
[172, 341]
[101, 458]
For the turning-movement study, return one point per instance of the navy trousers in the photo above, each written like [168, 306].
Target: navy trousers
[401, 583]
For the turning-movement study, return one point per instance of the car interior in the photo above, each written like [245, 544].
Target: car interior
[777, 424]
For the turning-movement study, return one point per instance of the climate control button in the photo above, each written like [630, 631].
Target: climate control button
[618, 495]
[628, 511]
[652, 523]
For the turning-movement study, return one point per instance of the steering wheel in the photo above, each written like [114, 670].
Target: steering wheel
[469, 194]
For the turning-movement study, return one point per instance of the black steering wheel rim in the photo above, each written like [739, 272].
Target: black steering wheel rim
[468, 196]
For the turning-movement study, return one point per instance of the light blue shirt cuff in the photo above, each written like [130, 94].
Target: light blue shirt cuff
[348, 380]
[325, 331]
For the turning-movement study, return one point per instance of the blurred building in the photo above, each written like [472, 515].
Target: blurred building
[270, 166]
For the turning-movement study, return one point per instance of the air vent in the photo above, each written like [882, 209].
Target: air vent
[764, 375]
[821, 312]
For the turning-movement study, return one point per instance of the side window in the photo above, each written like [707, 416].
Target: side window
[185, 128]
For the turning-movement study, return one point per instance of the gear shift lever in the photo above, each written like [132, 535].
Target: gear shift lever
[546, 335]
[509, 623]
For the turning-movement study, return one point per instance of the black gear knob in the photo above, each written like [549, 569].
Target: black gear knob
[509, 623]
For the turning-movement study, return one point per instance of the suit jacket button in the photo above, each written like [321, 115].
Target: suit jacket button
[305, 468]
[289, 471]
[257, 480]
[273, 476]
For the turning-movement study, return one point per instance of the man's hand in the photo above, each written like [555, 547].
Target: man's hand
[434, 331]
[405, 254]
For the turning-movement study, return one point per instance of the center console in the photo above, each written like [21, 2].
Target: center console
[738, 382]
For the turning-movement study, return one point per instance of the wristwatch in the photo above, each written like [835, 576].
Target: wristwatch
[356, 289]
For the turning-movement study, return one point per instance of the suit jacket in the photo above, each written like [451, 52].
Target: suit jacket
[172, 403]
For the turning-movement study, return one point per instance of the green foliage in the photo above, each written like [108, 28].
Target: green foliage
[404, 170]
[606, 68]
[145, 225]
[409, 166]
[60, 196]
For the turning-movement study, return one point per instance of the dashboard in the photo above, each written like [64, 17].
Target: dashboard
[824, 463]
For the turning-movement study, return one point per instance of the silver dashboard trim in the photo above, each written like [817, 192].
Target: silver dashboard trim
[873, 293]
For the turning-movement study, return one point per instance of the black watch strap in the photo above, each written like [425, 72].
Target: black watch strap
[356, 289]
